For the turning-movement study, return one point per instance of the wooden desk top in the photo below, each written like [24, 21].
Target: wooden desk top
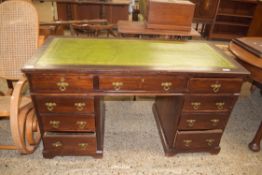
[147, 55]
[129, 27]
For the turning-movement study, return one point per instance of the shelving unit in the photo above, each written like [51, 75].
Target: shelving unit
[232, 19]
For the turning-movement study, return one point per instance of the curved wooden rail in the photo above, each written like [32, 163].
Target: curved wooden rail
[23, 122]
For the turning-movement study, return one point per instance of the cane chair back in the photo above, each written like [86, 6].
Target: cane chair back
[18, 41]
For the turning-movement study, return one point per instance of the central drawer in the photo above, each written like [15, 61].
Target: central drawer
[142, 83]
[64, 104]
[74, 123]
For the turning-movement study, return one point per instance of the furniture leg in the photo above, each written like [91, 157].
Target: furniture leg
[254, 145]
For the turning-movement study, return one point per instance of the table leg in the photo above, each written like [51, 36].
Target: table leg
[254, 145]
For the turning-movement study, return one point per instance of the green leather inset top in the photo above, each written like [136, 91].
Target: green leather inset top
[109, 52]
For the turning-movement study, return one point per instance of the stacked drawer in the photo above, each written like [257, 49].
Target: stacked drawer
[66, 113]
[205, 113]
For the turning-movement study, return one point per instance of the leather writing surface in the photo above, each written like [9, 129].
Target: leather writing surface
[109, 52]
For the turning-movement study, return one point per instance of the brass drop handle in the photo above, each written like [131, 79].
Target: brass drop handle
[220, 105]
[196, 105]
[81, 124]
[190, 123]
[210, 142]
[166, 85]
[215, 87]
[83, 146]
[62, 84]
[214, 122]
[55, 123]
[187, 143]
[50, 106]
[117, 85]
[57, 144]
[80, 106]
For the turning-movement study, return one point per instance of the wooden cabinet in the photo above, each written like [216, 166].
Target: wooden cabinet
[113, 11]
[233, 19]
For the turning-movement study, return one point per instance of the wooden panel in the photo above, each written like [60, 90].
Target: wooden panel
[70, 144]
[255, 28]
[214, 85]
[64, 104]
[61, 83]
[198, 103]
[202, 121]
[75, 123]
[173, 15]
[190, 140]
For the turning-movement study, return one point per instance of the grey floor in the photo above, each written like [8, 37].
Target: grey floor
[132, 146]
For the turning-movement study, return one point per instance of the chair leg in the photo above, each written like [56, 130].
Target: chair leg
[254, 145]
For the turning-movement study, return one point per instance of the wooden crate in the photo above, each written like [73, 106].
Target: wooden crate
[170, 14]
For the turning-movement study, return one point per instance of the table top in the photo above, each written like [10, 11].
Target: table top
[74, 53]
[244, 55]
[129, 27]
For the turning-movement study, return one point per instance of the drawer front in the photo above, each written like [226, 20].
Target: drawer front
[68, 104]
[145, 83]
[164, 83]
[196, 103]
[187, 140]
[60, 83]
[214, 85]
[68, 123]
[202, 121]
[70, 144]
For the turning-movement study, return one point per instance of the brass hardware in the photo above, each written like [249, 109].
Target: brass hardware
[190, 123]
[215, 87]
[80, 106]
[62, 85]
[117, 85]
[220, 105]
[214, 122]
[196, 105]
[81, 124]
[210, 142]
[57, 144]
[50, 106]
[54, 123]
[187, 143]
[83, 146]
[166, 85]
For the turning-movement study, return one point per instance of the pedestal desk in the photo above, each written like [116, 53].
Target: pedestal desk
[195, 88]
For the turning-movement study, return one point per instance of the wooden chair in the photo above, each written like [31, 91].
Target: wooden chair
[18, 41]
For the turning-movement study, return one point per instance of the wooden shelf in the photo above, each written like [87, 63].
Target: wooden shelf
[231, 24]
[226, 36]
[232, 19]
[235, 15]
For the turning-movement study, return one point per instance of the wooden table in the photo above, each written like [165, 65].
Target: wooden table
[253, 64]
[138, 28]
[195, 86]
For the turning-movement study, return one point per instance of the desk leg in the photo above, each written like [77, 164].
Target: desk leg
[255, 144]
